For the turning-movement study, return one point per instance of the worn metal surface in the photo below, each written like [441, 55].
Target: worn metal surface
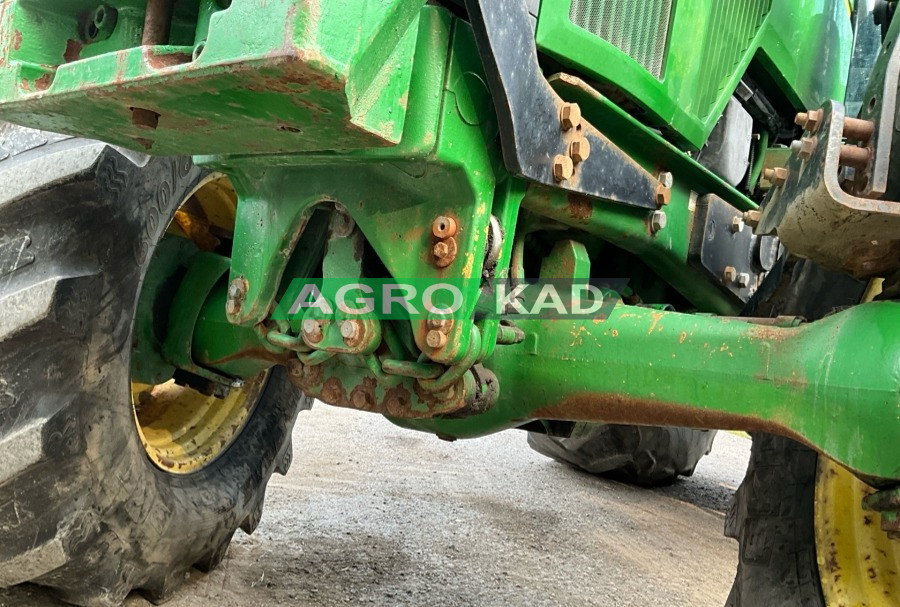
[665, 368]
[277, 76]
[534, 123]
[816, 218]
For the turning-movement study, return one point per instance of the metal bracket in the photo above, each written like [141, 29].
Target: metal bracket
[727, 249]
[532, 130]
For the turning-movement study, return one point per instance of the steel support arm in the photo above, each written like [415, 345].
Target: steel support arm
[833, 384]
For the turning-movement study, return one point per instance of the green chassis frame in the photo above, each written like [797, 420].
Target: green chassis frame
[395, 123]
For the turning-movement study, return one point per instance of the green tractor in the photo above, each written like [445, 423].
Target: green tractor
[594, 220]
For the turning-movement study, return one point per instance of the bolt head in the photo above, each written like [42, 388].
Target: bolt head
[658, 221]
[804, 147]
[441, 250]
[436, 339]
[809, 121]
[570, 116]
[312, 328]
[232, 307]
[444, 227]
[350, 330]
[663, 195]
[563, 168]
[580, 150]
[729, 275]
[751, 218]
[666, 179]
[743, 280]
[737, 224]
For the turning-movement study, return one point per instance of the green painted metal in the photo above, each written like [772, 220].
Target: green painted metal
[710, 45]
[832, 383]
[274, 76]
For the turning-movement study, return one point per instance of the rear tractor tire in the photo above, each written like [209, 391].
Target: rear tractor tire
[101, 494]
[643, 455]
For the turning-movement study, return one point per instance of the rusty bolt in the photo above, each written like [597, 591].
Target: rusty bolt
[362, 400]
[312, 330]
[563, 168]
[730, 274]
[663, 195]
[441, 324]
[570, 116]
[237, 293]
[809, 121]
[751, 218]
[804, 147]
[436, 339]
[441, 250]
[580, 150]
[855, 157]
[858, 130]
[444, 227]
[658, 221]
[351, 330]
[743, 280]
[737, 224]
[777, 176]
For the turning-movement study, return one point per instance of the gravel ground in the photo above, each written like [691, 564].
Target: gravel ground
[372, 514]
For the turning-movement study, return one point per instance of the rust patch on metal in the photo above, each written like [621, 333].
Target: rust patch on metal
[619, 409]
[579, 207]
[17, 40]
[333, 392]
[159, 61]
[73, 51]
[43, 83]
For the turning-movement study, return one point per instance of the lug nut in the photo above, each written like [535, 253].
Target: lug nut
[666, 179]
[729, 275]
[436, 339]
[580, 150]
[809, 121]
[444, 227]
[743, 280]
[777, 176]
[751, 218]
[737, 224]
[570, 116]
[312, 330]
[563, 168]
[658, 221]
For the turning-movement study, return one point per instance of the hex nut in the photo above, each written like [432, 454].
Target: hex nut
[563, 168]
[666, 179]
[743, 280]
[436, 339]
[810, 120]
[737, 224]
[444, 227]
[777, 176]
[663, 195]
[441, 250]
[658, 221]
[752, 218]
[580, 150]
[570, 116]
[804, 147]
[729, 275]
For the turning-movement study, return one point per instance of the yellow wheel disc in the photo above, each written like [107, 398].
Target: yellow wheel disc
[181, 429]
[858, 564]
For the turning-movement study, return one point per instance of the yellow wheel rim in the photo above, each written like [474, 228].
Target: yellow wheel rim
[183, 430]
[858, 563]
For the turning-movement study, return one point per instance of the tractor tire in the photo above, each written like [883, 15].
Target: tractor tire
[643, 455]
[787, 507]
[83, 510]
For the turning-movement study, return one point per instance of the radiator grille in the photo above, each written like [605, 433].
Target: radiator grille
[639, 28]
